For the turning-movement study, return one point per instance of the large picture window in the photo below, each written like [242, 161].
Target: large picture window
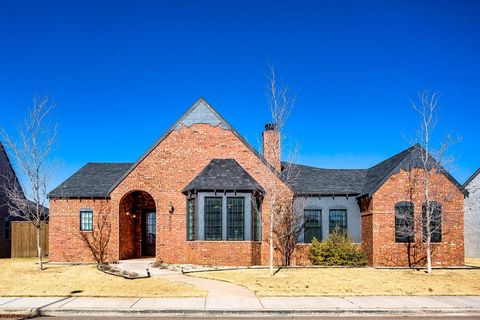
[404, 231]
[191, 219]
[213, 218]
[235, 218]
[435, 212]
[86, 220]
[313, 225]
[338, 220]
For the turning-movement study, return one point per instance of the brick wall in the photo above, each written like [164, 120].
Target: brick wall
[378, 223]
[65, 240]
[163, 174]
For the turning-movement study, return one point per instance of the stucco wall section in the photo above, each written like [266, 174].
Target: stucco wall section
[472, 219]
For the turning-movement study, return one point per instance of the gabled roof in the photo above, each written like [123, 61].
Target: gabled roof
[6, 173]
[358, 182]
[407, 159]
[307, 180]
[223, 175]
[200, 112]
[93, 180]
[465, 185]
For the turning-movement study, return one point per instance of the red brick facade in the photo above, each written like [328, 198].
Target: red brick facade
[378, 223]
[162, 175]
[156, 184]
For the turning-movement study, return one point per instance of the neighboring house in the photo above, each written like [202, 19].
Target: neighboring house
[198, 196]
[7, 175]
[472, 216]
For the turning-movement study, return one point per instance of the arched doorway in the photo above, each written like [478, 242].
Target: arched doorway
[137, 224]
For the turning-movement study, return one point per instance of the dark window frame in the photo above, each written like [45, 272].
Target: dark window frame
[211, 236]
[330, 220]
[436, 236]
[88, 224]
[237, 223]
[190, 219]
[306, 227]
[404, 238]
[7, 229]
[257, 219]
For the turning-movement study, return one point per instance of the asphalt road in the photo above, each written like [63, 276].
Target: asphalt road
[439, 317]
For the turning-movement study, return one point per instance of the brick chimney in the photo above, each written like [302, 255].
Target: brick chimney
[271, 145]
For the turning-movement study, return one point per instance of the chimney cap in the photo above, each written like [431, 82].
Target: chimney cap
[270, 126]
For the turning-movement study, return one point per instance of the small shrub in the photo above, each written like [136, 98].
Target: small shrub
[336, 251]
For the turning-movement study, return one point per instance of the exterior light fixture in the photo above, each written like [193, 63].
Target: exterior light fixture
[170, 207]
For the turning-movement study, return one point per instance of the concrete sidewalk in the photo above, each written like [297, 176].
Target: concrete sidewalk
[69, 306]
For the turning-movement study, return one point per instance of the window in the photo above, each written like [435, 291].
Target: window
[191, 219]
[257, 220]
[235, 218]
[86, 220]
[338, 219]
[7, 228]
[435, 210]
[213, 218]
[313, 225]
[404, 232]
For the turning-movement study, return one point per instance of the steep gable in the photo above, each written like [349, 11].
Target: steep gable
[201, 112]
[6, 173]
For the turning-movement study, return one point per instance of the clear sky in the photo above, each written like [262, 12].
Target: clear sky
[123, 71]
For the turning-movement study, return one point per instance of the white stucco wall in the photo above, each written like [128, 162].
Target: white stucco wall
[472, 219]
[354, 225]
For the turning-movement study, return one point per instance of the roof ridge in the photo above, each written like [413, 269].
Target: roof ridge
[473, 176]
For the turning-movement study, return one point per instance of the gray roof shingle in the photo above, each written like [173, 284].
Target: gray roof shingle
[93, 180]
[223, 174]
[306, 180]
[360, 182]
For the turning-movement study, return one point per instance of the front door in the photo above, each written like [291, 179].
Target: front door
[149, 233]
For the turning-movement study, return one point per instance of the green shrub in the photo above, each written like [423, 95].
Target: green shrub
[336, 251]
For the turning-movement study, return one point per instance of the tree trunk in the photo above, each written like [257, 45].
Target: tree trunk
[429, 256]
[39, 249]
[272, 272]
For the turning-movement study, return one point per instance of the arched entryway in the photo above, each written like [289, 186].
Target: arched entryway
[137, 225]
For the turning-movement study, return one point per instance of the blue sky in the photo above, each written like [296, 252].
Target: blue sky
[123, 71]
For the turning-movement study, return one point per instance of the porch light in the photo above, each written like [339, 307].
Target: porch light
[170, 207]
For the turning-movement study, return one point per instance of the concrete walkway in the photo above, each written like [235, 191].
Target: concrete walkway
[221, 294]
[268, 306]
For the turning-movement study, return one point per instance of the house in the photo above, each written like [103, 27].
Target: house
[472, 216]
[200, 195]
[14, 228]
[6, 174]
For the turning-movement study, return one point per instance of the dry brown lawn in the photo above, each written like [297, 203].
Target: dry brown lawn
[353, 281]
[20, 277]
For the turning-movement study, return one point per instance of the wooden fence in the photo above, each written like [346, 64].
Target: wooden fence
[24, 239]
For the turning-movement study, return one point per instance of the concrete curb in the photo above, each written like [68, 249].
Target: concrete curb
[220, 312]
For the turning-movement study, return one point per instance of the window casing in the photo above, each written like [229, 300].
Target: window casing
[235, 218]
[86, 220]
[257, 220]
[404, 226]
[338, 219]
[190, 219]
[7, 230]
[213, 218]
[312, 225]
[435, 221]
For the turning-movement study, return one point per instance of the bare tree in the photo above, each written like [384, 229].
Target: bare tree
[284, 225]
[97, 241]
[431, 163]
[32, 156]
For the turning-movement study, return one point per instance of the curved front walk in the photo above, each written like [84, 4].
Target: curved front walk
[221, 295]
